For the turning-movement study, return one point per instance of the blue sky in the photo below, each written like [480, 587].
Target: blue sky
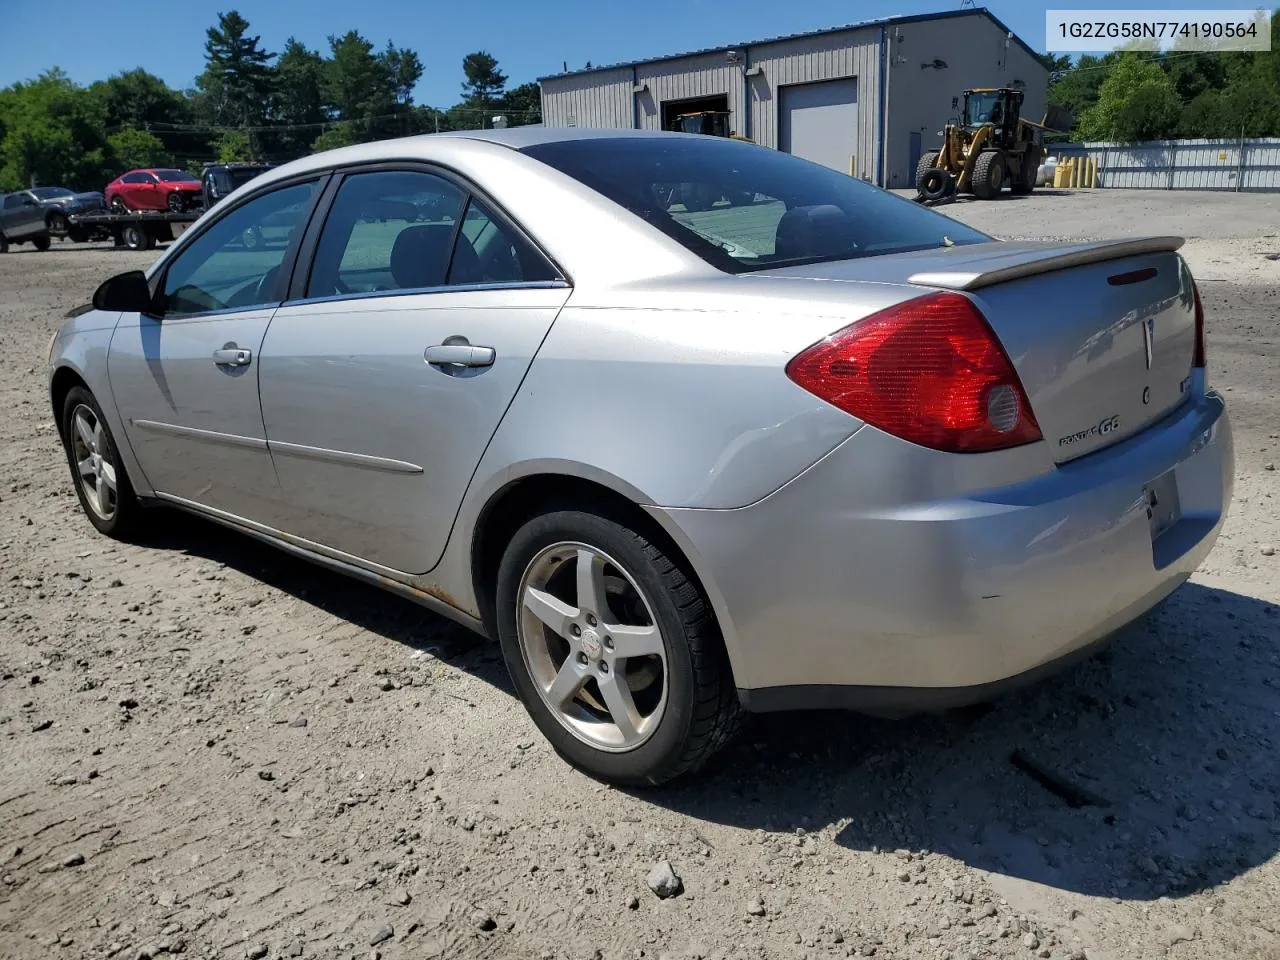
[91, 39]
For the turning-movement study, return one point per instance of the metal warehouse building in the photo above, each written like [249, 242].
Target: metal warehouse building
[866, 99]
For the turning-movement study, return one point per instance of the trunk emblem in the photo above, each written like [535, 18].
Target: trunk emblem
[1148, 338]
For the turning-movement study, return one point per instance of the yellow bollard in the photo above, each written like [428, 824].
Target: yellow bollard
[1093, 173]
[1075, 174]
[1059, 174]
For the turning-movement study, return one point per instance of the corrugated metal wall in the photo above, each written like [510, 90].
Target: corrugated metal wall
[706, 76]
[1252, 165]
[600, 99]
[603, 98]
[812, 59]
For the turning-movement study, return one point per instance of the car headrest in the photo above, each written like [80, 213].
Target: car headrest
[420, 256]
[817, 230]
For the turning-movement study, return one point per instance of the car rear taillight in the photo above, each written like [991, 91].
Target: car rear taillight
[929, 371]
[1199, 354]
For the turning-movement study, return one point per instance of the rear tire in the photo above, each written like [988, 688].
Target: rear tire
[1026, 181]
[4, 244]
[118, 205]
[988, 175]
[42, 243]
[135, 237]
[926, 163]
[668, 731]
[102, 485]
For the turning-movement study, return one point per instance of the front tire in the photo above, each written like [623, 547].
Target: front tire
[41, 243]
[57, 224]
[102, 485]
[613, 650]
[174, 202]
[988, 175]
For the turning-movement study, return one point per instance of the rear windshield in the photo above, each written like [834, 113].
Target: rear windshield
[744, 207]
[176, 176]
[239, 176]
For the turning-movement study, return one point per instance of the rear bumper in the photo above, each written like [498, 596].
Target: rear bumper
[891, 578]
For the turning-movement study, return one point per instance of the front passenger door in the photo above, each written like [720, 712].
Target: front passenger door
[185, 377]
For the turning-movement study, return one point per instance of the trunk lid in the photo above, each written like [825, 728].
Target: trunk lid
[1102, 335]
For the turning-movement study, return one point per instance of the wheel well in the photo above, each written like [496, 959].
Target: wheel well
[64, 378]
[525, 498]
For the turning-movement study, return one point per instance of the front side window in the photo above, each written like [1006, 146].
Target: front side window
[235, 263]
[13, 201]
[743, 207]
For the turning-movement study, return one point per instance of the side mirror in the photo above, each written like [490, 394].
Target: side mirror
[124, 293]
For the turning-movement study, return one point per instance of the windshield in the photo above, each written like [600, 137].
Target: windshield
[176, 176]
[984, 108]
[239, 176]
[743, 207]
[50, 193]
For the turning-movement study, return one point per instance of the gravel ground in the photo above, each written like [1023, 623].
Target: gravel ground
[212, 749]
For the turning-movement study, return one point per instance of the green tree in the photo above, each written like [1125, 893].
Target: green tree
[405, 70]
[1077, 89]
[1133, 76]
[233, 147]
[522, 104]
[339, 135]
[131, 148]
[235, 87]
[485, 82]
[357, 85]
[53, 134]
[299, 103]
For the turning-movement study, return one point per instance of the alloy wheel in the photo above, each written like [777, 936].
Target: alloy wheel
[95, 472]
[592, 646]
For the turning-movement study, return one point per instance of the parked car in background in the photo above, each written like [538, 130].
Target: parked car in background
[220, 179]
[826, 449]
[22, 221]
[59, 203]
[159, 189]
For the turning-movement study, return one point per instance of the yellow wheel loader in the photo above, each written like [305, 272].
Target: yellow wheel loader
[989, 147]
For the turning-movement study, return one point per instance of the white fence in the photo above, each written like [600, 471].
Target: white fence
[1236, 165]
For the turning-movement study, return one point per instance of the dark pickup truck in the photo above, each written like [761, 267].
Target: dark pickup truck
[37, 215]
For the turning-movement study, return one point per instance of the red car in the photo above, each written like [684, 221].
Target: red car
[165, 189]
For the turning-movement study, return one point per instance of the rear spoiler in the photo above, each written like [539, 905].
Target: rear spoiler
[1030, 265]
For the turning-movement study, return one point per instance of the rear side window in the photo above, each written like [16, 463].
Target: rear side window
[403, 230]
[743, 207]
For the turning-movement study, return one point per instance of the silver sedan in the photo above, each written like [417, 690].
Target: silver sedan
[690, 426]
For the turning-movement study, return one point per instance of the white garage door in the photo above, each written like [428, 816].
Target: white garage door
[819, 121]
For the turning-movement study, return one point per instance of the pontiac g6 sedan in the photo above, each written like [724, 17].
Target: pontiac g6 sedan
[795, 443]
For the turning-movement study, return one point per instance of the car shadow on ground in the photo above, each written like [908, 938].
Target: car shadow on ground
[1159, 753]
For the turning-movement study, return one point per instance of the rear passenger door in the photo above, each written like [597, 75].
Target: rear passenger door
[387, 373]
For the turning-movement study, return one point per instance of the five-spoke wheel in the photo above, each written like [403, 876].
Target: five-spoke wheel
[101, 481]
[612, 647]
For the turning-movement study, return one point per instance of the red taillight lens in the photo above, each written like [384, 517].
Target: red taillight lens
[929, 370]
[1199, 354]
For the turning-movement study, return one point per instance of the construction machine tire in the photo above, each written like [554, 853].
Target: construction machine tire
[935, 184]
[1026, 181]
[988, 175]
[927, 162]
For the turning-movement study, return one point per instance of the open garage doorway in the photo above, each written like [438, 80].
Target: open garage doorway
[715, 110]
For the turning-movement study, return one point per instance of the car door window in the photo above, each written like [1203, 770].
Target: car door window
[135, 178]
[13, 201]
[386, 231]
[235, 263]
[487, 252]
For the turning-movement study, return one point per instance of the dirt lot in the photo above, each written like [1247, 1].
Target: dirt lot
[210, 748]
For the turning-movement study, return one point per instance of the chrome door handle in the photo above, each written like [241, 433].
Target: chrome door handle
[459, 355]
[232, 357]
